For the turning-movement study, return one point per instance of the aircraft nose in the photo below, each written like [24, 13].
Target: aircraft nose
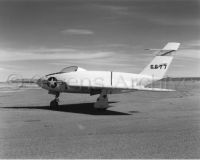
[40, 82]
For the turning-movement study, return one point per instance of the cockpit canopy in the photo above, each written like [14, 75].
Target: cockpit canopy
[71, 69]
[68, 69]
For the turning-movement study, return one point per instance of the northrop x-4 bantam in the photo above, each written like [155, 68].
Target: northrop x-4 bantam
[78, 80]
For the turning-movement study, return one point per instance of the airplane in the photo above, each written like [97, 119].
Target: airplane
[75, 79]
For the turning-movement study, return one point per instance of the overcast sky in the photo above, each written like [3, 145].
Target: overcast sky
[40, 37]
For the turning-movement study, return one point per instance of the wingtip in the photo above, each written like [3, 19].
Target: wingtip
[172, 46]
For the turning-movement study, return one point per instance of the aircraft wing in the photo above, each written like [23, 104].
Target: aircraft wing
[111, 89]
[156, 89]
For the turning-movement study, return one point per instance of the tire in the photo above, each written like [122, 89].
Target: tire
[53, 104]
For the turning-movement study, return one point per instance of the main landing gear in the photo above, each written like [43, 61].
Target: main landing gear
[54, 104]
[102, 102]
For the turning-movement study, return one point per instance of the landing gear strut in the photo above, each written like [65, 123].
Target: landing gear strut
[55, 103]
[102, 102]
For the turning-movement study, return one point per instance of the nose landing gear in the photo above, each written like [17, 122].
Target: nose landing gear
[54, 104]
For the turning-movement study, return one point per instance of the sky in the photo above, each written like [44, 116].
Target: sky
[38, 37]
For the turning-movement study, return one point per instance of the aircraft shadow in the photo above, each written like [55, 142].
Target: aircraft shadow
[82, 108]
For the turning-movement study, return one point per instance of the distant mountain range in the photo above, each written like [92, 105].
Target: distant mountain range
[181, 79]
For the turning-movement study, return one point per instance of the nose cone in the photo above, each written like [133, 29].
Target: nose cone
[41, 82]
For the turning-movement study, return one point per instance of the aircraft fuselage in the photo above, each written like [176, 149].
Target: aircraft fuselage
[88, 81]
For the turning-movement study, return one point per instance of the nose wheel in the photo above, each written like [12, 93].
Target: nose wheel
[54, 104]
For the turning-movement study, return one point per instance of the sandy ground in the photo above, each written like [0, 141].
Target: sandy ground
[137, 125]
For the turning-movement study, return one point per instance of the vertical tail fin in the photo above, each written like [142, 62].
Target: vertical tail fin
[160, 64]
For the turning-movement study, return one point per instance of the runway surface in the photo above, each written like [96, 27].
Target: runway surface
[137, 125]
